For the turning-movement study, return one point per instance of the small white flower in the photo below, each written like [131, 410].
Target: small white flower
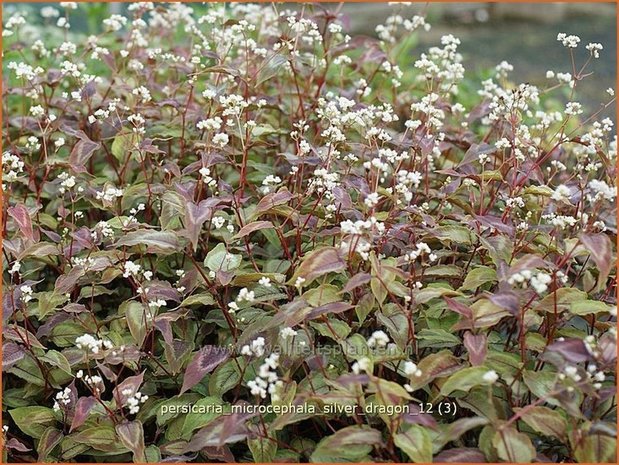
[63, 398]
[491, 377]
[378, 339]
[287, 332]
[143, 93]
[561, 193]
[594, 48]
[89, 342]
[570, 41]
[246, 295]
[26, 293]
[109, 194]
[372, 199]
[363, 365]
[15, 268]
[131, 269]
[256, 348]
[206, 177]
[573, 108]
[134, 400]
[411, 369]
[37, 111]
[218, 221]
[221, 139]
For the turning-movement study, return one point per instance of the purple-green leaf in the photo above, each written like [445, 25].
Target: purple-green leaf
[22, 217]
[318, 263]
[195, 217]
[252, 227]
[82, 410]
[159, 242]
[206, 360]
[131, 434]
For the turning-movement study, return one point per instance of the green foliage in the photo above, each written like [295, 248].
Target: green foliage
[234, 235]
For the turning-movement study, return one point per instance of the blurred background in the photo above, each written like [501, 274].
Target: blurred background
[524, 34]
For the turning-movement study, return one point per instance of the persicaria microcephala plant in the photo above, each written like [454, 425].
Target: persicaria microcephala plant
[212, 208]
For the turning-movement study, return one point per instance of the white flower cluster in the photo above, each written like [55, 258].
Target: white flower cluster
[132, 214]
[92, 344]
[364, 364]
[84, 262]
[324, 182]
[63, 399]
[407, 181]
[420, 249]
[94, 382]
[592, 374]
[569, 41]
[269, 183]
[67, 182]
[267, 380]
[15, 267]
[570, 372]
[102, 230]
[388, 32]
[206, 177]
[16, 19]
[233, 105]
[443, 65]
[573, 108]
[109, 194]
[594, 48]
[490, 376]
[157, 303]
[378, 339]
[513, 202]
[357, 243]
[560, 221]
[601, 191]
[561, 193]
[372, 199]
[221, 139]
[210, 124]
[255, 348]
[338, 113]
[134, 399]
[131, 269]
[138, 122]
[218, 221]
[538, 281]
[142, 93]
[411, 370]
[12, 167]
[287, 333]
[23, 70]
[246, 295]
[26, 293]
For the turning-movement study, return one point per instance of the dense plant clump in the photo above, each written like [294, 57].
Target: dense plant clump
[235, 233]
